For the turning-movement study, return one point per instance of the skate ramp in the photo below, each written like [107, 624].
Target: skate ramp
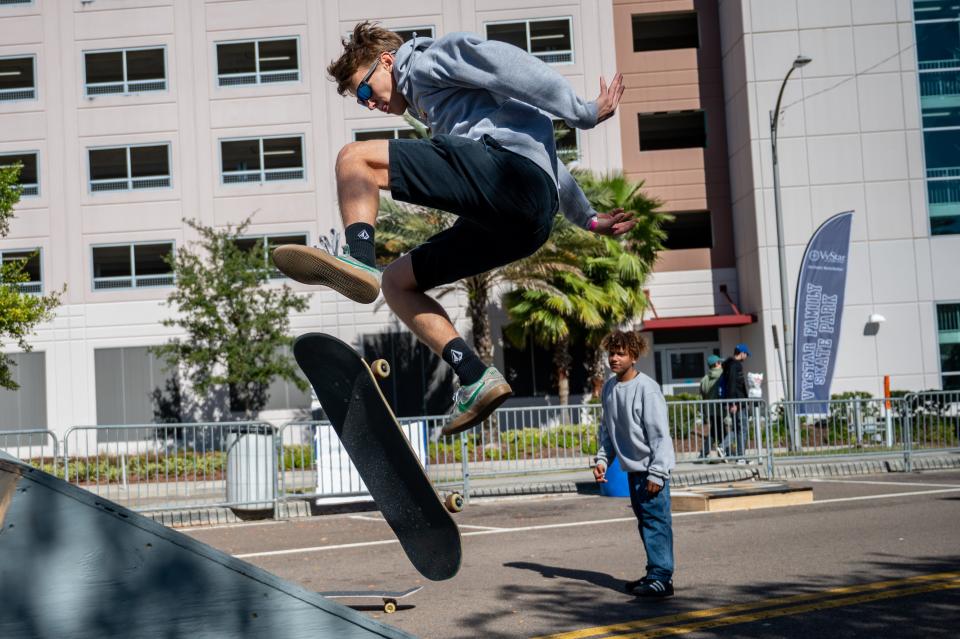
[75, 565]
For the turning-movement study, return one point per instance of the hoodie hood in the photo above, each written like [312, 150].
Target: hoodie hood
[405, 59]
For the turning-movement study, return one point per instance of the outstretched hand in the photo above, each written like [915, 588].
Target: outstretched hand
[616, 222]
[609, 98]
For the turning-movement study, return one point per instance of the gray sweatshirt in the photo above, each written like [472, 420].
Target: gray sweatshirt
[463, 85]
[635, 429]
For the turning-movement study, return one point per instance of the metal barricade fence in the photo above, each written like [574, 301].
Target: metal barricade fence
[159, 467]
[934, 418]
[852, 427]
[524, 441]
[313, 463]
[37, 447]
[709, 430]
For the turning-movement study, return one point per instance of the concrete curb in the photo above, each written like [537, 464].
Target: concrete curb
[864, 467]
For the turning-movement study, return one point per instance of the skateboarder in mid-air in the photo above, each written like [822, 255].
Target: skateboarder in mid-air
[491, 161]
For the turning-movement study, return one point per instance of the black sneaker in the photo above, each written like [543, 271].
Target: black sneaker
[652, 589]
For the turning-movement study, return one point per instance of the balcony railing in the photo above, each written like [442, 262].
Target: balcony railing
[133, 281]
[931, 65]
[137, 86]
[944, 172]
[130, 184]
[264, 77]
[555, 57]
[267, 175]
[940, 84]
[10, 95]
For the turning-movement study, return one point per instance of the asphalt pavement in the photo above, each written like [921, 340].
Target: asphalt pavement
[872, 556]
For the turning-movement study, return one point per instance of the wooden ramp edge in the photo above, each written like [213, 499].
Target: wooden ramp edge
[75, 565]
[743, 495]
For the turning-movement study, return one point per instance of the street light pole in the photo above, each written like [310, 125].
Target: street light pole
[800, 61]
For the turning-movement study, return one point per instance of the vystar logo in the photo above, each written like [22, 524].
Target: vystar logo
[830, 257]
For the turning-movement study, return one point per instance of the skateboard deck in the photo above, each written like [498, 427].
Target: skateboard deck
[368, 430]
[389, 598]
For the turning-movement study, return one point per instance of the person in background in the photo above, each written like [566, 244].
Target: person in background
[712, 412]
[735, 390]
[634, 428]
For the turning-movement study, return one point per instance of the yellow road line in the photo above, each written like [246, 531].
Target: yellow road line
[750, 605]
[795, 610]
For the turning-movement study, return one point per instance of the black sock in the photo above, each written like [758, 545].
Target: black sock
[468, 367]
[359, 237]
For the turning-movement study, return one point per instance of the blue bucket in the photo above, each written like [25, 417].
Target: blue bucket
[617, 485]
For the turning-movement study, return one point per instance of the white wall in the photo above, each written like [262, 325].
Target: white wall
[849, 138]
[192, 115]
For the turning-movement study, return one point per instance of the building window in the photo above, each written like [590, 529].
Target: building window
[938, 60]
[3, 2]
[680, 358]
[29, 181]
[661, 31]
[258, 62]
[264, 244]
[128, 168]
[139, 265]
[31, 267]
[567, 141]
[26, 408]
[948, 332]
[407, 32]
[133, 386]
[550, 39]
[401, 133]
[688, 230]
[261, 160]
[125, 71]
[672, 130]
[18, 79]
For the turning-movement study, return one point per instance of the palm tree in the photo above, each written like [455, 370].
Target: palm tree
[549, 307]
[602, 287]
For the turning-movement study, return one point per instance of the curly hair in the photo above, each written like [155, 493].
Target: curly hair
[367, 41]
[630, 341]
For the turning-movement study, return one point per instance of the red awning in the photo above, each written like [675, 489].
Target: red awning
[697, 321]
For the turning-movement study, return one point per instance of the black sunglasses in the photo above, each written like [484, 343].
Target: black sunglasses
[364, 90]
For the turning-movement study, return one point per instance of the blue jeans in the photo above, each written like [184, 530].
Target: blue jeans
[738, 431]
[655, 524]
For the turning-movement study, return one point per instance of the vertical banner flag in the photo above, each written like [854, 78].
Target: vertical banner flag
[819, 306]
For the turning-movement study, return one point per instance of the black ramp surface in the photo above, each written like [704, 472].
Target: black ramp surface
[378, 448]
[73, 565]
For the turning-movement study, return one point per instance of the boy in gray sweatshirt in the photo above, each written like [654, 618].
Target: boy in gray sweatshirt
[491, 161]
[634, 428]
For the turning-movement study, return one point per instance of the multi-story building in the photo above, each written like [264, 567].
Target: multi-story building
[130, 116]
[870, 125]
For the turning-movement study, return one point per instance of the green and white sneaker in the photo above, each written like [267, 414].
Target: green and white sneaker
[342, 273]
[475, 402]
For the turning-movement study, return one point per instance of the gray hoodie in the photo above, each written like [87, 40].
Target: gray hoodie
[635, 428]
[463, 85]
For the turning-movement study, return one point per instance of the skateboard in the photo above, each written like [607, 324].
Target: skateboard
[348, 392]
[389, 598]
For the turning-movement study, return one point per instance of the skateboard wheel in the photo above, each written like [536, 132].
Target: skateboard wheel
[390, 606]
[454, 502]
[380, 368]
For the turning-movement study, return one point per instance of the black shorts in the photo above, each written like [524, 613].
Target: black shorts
[505, 204]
